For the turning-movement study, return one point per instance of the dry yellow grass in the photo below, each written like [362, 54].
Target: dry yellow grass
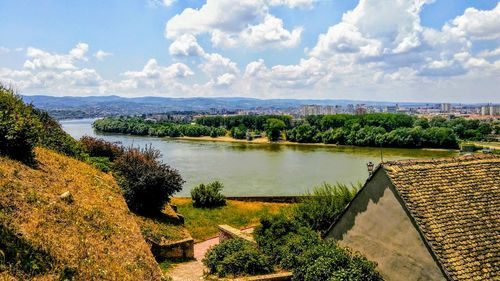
[160, 229]
[96, 235]
[203, 223]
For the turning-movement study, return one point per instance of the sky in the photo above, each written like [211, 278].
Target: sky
[377, 50]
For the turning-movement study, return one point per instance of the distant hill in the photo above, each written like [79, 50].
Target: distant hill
[97, 106]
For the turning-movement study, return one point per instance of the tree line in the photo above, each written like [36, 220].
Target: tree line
[374, 129]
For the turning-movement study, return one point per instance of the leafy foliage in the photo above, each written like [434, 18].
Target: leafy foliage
[251, 122]
[236, 257]
[323, 205]
[208, 196]
[295, 247]
[101, 148]
[374, 129]
[139, 126]
[147, 183]
[19, 127]
[52, 136]
[239, 132]
[273, 129]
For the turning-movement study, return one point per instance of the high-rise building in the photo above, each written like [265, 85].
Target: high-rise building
[445, 107]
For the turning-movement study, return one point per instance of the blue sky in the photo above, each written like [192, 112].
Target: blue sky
[404, 50]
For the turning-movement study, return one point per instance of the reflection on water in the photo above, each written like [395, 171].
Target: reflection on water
[260, 169]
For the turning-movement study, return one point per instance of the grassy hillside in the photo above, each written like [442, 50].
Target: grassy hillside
[92, 237]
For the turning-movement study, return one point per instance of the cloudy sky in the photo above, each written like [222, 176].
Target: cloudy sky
[385, 50]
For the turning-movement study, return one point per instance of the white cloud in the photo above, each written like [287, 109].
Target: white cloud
[225, 79]
[186, 45]
[476, 24]
[215, 65]
[154, 71]
[490, 53]
[39, 59]
[235, 23]
[100, 55]
[292, 3]
[165, 3]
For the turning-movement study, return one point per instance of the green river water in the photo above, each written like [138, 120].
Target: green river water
[260, 169]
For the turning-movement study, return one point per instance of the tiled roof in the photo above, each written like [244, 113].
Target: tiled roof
[456, 204]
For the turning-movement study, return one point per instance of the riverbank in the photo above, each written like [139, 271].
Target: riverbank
[262, 140]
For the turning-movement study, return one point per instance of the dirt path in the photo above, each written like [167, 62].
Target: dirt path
[193, 270]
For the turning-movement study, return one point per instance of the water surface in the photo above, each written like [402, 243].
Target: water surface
[259, 169]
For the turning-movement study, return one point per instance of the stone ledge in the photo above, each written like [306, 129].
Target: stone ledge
[182, 249]
[228, 232]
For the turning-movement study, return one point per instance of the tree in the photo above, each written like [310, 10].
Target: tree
[304, 133]
[19, 127]
[273, 129]
[147, 183]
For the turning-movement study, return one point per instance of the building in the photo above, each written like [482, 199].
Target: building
[490, 109]
[485, 110]
[391, 108]
[495, 110]
[445, 107]
[428, 219]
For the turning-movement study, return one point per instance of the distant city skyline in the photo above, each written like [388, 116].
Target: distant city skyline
[400, 51]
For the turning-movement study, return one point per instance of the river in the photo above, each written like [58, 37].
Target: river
[259, 169]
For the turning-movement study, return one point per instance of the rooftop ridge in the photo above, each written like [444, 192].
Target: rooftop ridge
[437, 161]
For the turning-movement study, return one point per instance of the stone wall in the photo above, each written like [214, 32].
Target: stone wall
[181, 250]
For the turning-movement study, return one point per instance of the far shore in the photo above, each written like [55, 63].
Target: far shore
[264, 140]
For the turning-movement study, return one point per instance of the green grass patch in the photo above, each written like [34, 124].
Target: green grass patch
[202, 222]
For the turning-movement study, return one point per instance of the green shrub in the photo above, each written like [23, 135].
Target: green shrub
[100, 148]
[246, 261]
[295, 245]
[147, 183]
[53, 137]
[208, 196]
[19, 127]
[101, 163]
[324, 204]
[217, 253]
[273, 232]
[359, 269]
[236, 257]
[321, 261]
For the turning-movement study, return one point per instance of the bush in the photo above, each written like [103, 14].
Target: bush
[208, 196]
[101, 148]
[19, 127]
[295, 245]
[246, 261]
[101, 163]
[273, 232]
[147, 183]
[323, 205]
[236, 257]
[52, 136]
[321, 261]
[219, 252]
